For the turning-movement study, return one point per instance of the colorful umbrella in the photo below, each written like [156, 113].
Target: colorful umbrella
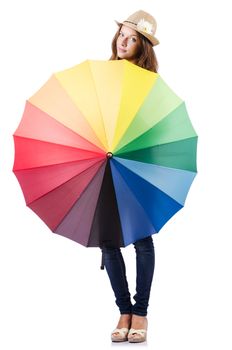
[105, 153]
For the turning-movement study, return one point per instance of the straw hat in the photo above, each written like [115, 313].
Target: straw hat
[143, 23]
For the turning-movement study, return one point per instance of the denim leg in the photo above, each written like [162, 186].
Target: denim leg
[145, 265]
[116, 271]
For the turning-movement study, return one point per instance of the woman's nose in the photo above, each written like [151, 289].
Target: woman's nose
[124, 41]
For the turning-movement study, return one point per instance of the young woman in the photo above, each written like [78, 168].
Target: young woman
[134, 42]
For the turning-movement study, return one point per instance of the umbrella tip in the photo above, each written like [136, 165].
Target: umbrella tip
[109, 155]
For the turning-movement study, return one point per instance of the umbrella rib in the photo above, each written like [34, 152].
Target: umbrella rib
[70, 98]
[65, 126]
[108, 175]
[54, 165]
[82, 193]
[118, 153]
[153, 184]
[138, 202]
[147, 130]
[94, 154]
[64, 182]
[132, 120]
[154, 158]
[158, 190]
[58, 144]
[99, 105]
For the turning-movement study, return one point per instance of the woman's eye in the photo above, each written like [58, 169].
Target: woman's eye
[133, 40]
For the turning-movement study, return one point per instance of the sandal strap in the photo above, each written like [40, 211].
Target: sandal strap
[121, 331]
[137, 331]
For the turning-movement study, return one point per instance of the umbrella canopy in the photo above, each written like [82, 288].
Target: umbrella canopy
[105, 153]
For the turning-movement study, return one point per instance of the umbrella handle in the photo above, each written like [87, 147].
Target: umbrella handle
[102, 261]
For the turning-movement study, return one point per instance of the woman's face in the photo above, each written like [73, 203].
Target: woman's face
[128, 44]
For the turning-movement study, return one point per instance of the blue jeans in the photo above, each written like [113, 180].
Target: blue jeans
[145, 264]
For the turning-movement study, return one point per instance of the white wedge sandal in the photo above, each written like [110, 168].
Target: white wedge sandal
[121, 334]
[137, 335]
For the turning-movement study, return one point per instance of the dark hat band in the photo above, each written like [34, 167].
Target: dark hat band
[131, 22]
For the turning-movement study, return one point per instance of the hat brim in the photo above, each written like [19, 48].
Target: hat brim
[154, 41]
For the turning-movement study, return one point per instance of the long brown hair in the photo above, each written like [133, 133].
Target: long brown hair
[146, 55]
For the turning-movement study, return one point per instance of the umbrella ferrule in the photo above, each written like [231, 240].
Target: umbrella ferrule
[109, 155]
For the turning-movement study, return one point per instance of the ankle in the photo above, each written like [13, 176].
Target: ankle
[138, 322]
[124, 321]
[126, 316]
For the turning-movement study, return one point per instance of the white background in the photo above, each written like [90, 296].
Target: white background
[53, 294]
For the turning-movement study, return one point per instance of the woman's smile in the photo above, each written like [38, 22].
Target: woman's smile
[120, 49]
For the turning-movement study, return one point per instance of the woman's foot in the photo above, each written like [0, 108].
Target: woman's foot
[121, 331]
[138, 331]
